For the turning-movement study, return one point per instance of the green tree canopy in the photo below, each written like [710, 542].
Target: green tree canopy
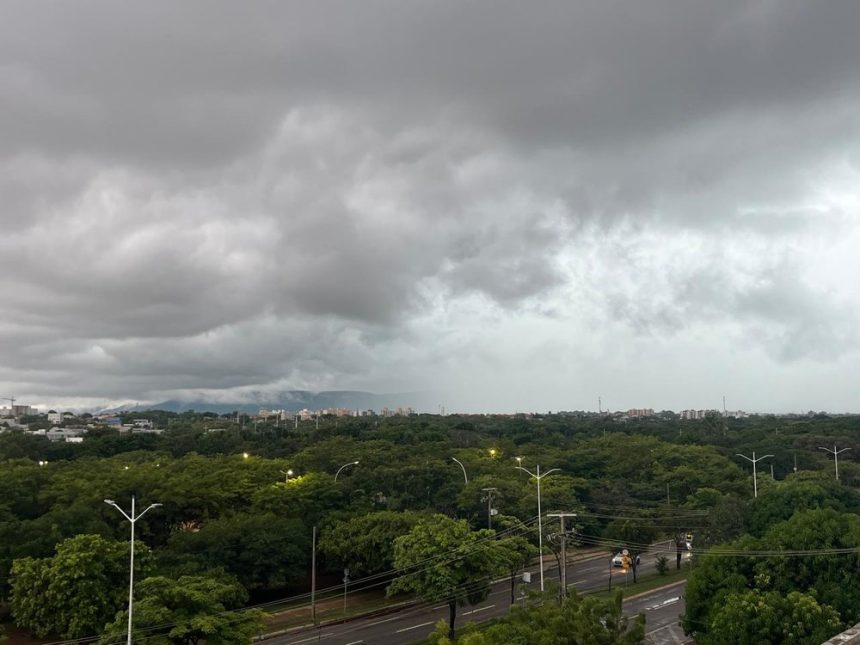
[365, 544]
[263, 551]
[78, 590]
[442, 560]
[187, 611]
[770, 617]
[577, 621]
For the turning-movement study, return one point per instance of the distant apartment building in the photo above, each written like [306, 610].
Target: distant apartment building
[17, 411]
[69, 435]
[55, 417]
[698, 414]
[337, 412]
[638, 413]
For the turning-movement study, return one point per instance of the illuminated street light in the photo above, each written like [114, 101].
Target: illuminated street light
[351, 463]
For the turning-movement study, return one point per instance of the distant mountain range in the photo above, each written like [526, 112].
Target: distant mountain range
[298, 400]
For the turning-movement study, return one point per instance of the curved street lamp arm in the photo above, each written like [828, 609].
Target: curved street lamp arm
[116, 506]
[460, 463]
[144, 511]
[526, 470]
[351, 463]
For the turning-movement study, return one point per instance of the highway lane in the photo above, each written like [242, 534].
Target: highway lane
[662, 608]
[414, 623]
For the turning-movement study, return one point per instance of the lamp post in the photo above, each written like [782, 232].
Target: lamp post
[463, 467]
[835, 454]
[538, 477]
[132, 519]
[351, 463]
[754, 461]
[287, 474]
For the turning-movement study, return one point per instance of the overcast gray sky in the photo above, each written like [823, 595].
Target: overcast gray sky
[527, 204]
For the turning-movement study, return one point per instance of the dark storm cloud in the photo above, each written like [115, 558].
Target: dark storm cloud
[190, 190]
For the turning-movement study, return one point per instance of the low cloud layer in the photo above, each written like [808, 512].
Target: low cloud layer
[524, 206]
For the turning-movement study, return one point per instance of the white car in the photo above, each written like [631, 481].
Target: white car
[618, 560]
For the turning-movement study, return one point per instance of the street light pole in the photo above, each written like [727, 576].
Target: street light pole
[835, 454]
[287, 473]
[132, 519]
[754, 461]
[538, 477]
[466, 477]
[351, 463]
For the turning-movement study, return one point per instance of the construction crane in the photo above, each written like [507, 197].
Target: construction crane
[12, 407]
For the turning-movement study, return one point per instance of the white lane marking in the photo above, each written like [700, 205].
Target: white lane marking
[387, 620]
[475, 611]
[406, 629]
[313, 638]
[355, 643]
[659, 629]
[578, 582]
[668, 601]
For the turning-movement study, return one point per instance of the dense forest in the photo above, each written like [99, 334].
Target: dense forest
[239, 502]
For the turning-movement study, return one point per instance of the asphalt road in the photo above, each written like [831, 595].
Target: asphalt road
[661, 608]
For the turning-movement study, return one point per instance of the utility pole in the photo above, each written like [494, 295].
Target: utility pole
[561, 516]
[490, 492]
[314, 577]
[754, 461]
[835, 454]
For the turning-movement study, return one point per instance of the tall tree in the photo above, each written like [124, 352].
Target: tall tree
[78, 590]
[442, 560]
